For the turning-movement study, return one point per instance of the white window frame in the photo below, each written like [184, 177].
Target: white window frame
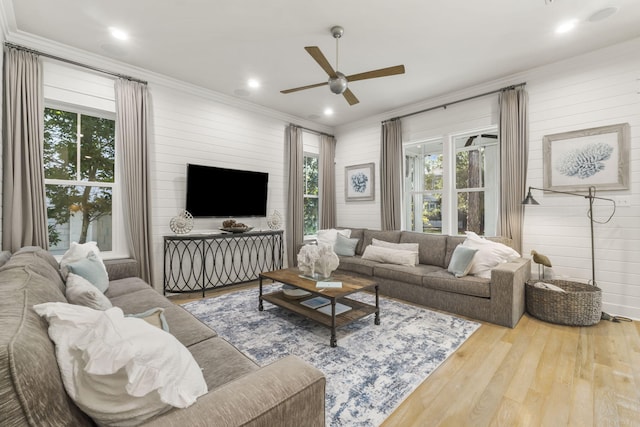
[490, 227]
[311, 148]
[119, 247]
[449, 206]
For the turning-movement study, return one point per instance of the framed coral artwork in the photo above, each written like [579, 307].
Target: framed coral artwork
[596, 157]
[359, 182]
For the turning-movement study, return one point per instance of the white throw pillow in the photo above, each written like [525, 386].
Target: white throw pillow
[78, 251]
[120, 370]
[80, 291]
[412, 247]
[389, 256]
[489, 254]
[329, 236]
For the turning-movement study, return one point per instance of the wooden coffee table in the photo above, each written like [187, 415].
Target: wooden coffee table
[350, 285]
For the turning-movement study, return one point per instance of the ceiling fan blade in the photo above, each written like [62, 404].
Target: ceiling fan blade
[303, 87]
[382, 72]
[350, 97]
[316, 54]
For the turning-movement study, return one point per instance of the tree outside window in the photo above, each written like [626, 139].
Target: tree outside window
[424, 185]
[79, 166]
[311, 201]
[468, 198]
[476, 164]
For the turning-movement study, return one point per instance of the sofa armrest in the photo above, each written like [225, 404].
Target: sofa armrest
[507, 290]
[286, 393]
[122, 268]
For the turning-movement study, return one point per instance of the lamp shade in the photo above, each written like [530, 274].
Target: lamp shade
[529, 200]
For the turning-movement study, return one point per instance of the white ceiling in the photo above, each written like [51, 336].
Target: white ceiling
[445, 46]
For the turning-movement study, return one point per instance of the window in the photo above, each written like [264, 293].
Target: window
[451, 183]
[311, 200]
[79, 167]
[476, 182]
[424, 186]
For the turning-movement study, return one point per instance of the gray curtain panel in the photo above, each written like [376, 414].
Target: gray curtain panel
[327, 182]
[391, 175]
[24, 210]
[133, 150]
[514, 149]
[295, 201]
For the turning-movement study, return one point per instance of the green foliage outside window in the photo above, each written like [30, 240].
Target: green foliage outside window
[78, 149]
[311, 193]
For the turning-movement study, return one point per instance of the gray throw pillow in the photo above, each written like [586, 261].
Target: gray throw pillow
[4, 257]
[345, 246]
[461, 260]
[91, 269]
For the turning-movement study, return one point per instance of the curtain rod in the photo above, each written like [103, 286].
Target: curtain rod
[311, 130]
[457, 102]
[69, 61]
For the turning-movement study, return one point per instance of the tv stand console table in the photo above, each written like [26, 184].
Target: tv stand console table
[200, 262]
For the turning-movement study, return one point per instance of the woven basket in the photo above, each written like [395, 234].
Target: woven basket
[580, 305]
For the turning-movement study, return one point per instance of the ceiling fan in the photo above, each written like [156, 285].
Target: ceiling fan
[338, 81]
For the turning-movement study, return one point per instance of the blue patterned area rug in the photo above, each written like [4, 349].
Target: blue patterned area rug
[373, 368]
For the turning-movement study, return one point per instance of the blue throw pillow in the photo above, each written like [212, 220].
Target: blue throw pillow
[91, 269]
[345, 246]
[461, 260]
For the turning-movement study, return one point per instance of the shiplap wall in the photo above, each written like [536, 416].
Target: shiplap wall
[592, 90]
[596, 89]
[357, 146]
[188, 128]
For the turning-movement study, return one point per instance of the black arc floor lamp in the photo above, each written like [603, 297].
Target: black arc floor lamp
[591, 196]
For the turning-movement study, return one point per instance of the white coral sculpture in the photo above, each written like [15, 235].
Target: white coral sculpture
[320, 260]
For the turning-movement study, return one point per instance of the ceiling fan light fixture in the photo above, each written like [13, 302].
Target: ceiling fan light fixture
[338, 84]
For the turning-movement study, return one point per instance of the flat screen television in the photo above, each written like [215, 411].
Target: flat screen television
[220, 192]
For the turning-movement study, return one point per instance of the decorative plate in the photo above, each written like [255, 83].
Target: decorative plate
[274, 221]
[292, 292]
[237, 229]
[181, 223]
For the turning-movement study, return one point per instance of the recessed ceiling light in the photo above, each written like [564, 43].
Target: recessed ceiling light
[118, 33]
[566, 26]
[328, 112]
[253, 83]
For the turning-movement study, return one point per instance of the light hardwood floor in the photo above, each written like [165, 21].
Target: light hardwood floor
[537, 374]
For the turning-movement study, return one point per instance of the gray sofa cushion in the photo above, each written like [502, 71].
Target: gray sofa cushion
[31, 388]
[220, 362]
[122, 268]
[452, 242]
[356, 264]
[186, 328]
[403, 273]
[4, 257]
[467, 285]
[125, 286]
[432, 247]
[387, 236]
[358, 233]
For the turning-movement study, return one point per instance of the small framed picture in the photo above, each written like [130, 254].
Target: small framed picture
[596, 157]
[359, 182]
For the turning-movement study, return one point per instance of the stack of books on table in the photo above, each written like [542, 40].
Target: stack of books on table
[323, 305]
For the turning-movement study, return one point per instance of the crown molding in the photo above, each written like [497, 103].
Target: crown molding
[7, 18]
[57, 49]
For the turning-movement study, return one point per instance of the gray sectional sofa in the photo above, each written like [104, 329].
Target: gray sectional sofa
[498, 300]
[241, 393]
